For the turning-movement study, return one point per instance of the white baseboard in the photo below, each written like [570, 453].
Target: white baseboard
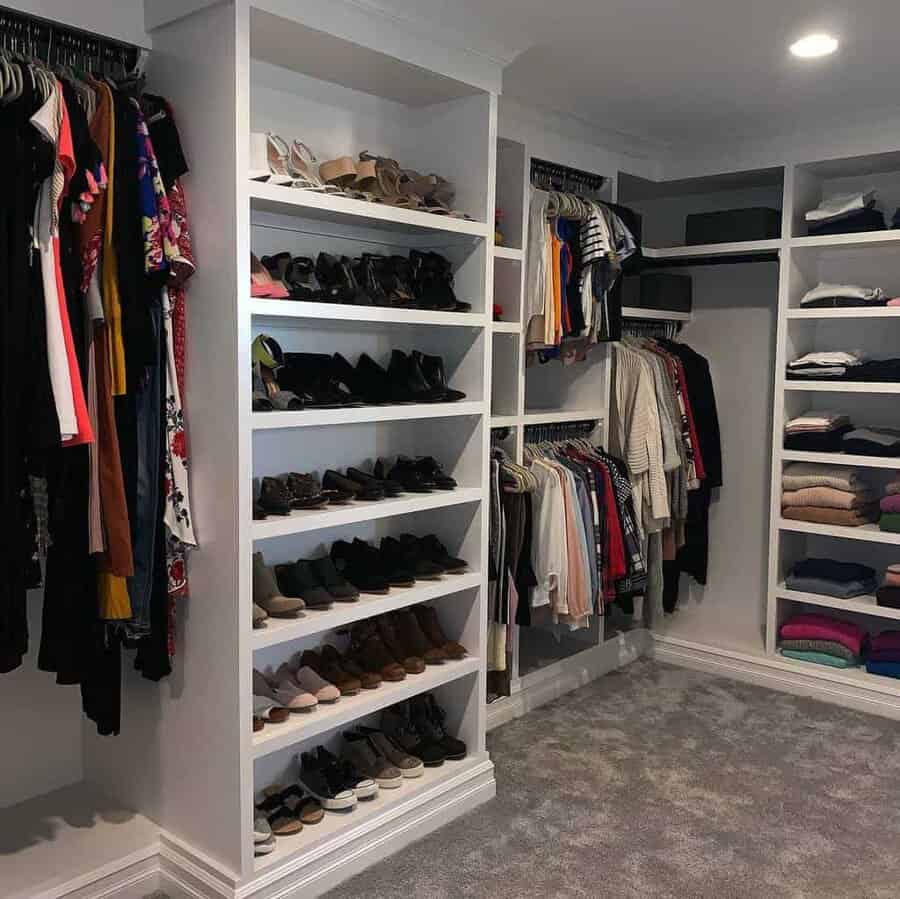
[548, 684]
[782, 674]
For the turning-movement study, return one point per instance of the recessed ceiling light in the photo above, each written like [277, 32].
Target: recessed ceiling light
[814, 45]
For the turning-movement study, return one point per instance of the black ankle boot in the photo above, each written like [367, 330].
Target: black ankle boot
[432, 368]
[337, 284]
[408, 381]
[301, 281]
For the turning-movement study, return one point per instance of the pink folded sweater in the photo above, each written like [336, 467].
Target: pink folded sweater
[823, 627]
[890, 503]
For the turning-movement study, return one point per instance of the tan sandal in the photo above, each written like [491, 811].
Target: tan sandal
[387, 182]
[340, 173]
[305, 166]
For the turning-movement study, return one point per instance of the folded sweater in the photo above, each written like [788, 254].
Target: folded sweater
[833, 570]
[817, 441]
[824, 587]
[893, 486]
[818, 420]
[850, 518]
[890, 503]
[828, 498]
[828, 357]
[820, 658]
[823, 293]
[886, 640]
[883, 655]
[886, 669]
[840, 205]
[888, 596]
[872, 442]
[829, 647]
[887, 370]
[798, 475]
[890, 522]
[813, 626]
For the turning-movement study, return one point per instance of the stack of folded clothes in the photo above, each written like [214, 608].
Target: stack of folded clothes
[823, 640]
[871, 442]
[888, 594]
[846, 214]
[826, 577]
[827, 494]
[817, 432]
[842, 295]
[890, 507]
[874, 370]
[828, 365]
[884, 654]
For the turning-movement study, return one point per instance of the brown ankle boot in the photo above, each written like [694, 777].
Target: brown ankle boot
[412, 663]
[427, 618]
[414, 641]
[369, 651]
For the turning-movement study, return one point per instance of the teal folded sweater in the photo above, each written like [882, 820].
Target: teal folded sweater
[820, 658]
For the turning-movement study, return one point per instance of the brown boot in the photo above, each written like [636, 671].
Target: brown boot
[333, 672]
[414, 641]
[369, 680]
[369, 651]
[427, 618]
[412, 663]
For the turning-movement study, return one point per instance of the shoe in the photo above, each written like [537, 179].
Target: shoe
[260, 168]
[414, 641]
[399, 557]
[395, 274]
[363, 786]
[262, 830]
[268, 596]
[432, 368]
[370, 491]
[350, 376]
[408, 383]
[432, 473]
[284, 691]
[314, 374]
[369, 286]
[361, 564]
[432, 549]
[370, 653]
[337, 283]
[259, 617]
[388, 487]
[427, 618]
[300, 279]
[333, 672]
[409, 765]
[387, 630]
[307, 679]
[405, 473]
[325, 783]
[268, 711]
[360, 753]
[262, 284]
[375, 383]
[259, 513]
[432, 281]
[428, 718]
[282, 821]
[265, 847]
[298, 579]
[397, 723]
[304, 491]
[307, 809]
[332, 660]
[274, 497]
[331, 580]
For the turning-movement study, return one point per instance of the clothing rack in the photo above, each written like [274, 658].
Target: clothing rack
[56, 44]
[560, 178]
[560, 431]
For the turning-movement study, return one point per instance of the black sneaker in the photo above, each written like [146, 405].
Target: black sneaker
[397, 723]
[362, 787]
[428, 719]
[326, 783]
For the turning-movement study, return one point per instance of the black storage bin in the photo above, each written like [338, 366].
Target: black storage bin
[732, 225]
[658, 290]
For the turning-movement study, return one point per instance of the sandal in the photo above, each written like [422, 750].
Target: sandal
[340, 173]
[282, 820]
[277, 159]
[269, 711]
[304, 806]
[262, 159]
[387, 176]
[306, 167]
[262, 284]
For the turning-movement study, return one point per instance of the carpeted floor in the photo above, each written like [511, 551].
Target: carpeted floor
[661, 783]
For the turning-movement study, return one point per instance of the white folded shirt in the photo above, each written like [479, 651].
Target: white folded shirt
[839, 357]
[824, 291]
[841, 205]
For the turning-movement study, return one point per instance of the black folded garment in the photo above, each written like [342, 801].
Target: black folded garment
[863, 220]
[872, 442]
[876, 370]
[888, 597]
[830, 570]
[817, 441]
[841, 303]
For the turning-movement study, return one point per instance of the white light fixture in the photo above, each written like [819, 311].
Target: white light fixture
[814, 45]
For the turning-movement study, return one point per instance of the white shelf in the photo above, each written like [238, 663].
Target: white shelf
[861, 239]
[305, 520]
[266, 197]
[308, 418]
[388, 803]
[854, 677]
[852, 312]
[505, 421]
[740, 248]
[656, 315]
[507, 327]
[842, 459]
[516, 255]
[303, 726]
[843, 386]
[560, 416]
[292, 312]
[865, 605]
[867, 532]
[284, 630]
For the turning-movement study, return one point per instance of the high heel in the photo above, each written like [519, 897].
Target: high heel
[260, 168]
[277, 159]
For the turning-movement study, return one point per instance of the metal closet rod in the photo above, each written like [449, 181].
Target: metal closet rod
[25, 30]
[563, 178]
[554, 431]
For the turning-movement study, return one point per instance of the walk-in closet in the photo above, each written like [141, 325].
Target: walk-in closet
[379, 374]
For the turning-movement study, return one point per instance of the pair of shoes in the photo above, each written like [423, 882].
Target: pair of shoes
[296, 275]
[418, 727]
[268, 711]
[282, 688]
[421, 475]
[260, 616]
[284, 812]
[289, 493]
[268, 359]
[317, 377]
[413, 378]
[361, 485]
[327, 663]
[334, 782]
[316, 581]
[387, 752]
[267, 595]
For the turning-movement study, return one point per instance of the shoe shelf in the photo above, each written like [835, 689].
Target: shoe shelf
[309, 418]
[511, 253]
[891, 462]
[303, 726]
[851, 313]
[285, 630]
[309, 204]
[314, 839]
[304, 520]
[864, 605]
[844, 386]
[288, 313]
[868, 532]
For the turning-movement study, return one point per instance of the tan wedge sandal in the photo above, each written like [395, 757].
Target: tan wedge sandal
[387, 182]
[305, 168]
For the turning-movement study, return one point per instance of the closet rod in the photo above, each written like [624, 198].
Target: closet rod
[555, 431]
[563, 179]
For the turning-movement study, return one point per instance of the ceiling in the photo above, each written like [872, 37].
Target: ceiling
[679, 71]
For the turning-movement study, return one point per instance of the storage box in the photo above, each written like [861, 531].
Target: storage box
[658, 290]
[732, 225]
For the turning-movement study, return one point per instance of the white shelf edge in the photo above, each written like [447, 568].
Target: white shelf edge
[306, 520]
[843, 386]
[867, 532]
[305, 726]
[859, 239]
[657, 315]
[865, 605]
[512, 253]
[505, 421]
[506, 327]
[307, 418]
[841, 459]
[560, 416]
[294, 309]
[853, 312]
[281, 630]
[739, 248]
[275, 198]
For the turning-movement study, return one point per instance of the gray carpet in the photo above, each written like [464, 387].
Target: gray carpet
[661, 783]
